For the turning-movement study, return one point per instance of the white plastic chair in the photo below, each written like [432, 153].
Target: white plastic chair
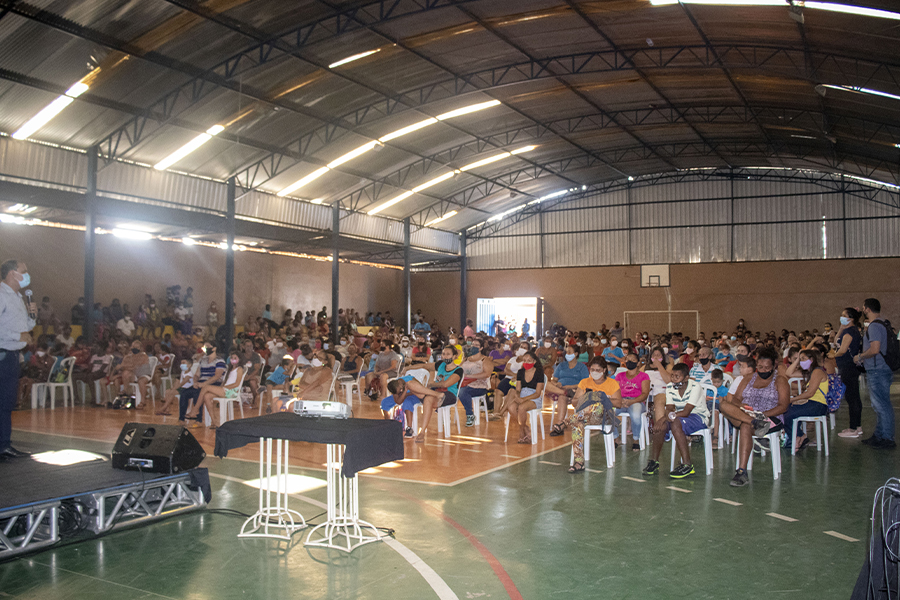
[774, 450]
[706, 434]
[444, 418]
[38, 389]
[167, 376]
[716, 414]
[534, 417]
[609, 443]
[798, 381]
[820, 422]
[226, 405]
[347, 385]
[137, 388]
[479, 403]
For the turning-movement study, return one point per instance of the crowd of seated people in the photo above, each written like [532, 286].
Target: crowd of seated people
[761, 382]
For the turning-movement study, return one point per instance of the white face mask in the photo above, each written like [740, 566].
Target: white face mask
[184, 367]
[343, 342]
[521, 351]
[570, 357]
[603, 341]
[40, 353]
[316, 362]
[506, 347]
[452, 341]
[614, 343]
[597, 375]
[547, 344]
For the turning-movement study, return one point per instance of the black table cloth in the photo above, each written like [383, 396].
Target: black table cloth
[369, 442]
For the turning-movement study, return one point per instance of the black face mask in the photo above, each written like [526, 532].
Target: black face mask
[765, 375]
[135, 351]
[209, 351]
[741, 357]
[704, 361]
[631, 365]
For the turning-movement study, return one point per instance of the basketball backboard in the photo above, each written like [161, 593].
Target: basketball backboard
[654, 275]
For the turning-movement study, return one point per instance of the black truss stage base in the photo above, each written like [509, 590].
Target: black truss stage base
[41, 503]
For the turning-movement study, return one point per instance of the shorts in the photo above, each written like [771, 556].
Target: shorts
[690, 425]
[504, 386]
[409, 403]
[231, 393]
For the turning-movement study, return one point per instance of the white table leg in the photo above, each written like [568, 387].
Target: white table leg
[271, 520]
[343, 530]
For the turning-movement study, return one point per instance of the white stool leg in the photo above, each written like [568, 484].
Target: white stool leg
[587, 444]
[610, 445]
[793, 439]
[645, 433]
[625, 416]
[456, 413]
[708, 450]
[672, 462]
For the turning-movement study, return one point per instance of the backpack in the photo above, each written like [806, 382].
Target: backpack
[891, 354]
[607, 417]
[836, 389]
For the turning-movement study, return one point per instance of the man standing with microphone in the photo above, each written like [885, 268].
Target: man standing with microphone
[17, 319]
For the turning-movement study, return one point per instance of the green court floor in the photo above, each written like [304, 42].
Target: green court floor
[530, 530]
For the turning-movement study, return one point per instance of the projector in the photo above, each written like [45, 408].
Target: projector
[320, 408]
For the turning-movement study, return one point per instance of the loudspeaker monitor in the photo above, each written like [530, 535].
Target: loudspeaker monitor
[156, 448]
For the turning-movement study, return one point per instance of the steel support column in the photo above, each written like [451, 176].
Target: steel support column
[335, 271]
[407, 280]
[229, 261]
[90, 241]
[463, 282]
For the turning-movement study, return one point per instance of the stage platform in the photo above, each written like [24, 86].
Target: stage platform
[69, 493]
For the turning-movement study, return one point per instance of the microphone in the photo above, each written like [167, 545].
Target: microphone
[28, 295]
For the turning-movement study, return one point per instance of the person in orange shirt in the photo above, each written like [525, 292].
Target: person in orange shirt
[611, 397]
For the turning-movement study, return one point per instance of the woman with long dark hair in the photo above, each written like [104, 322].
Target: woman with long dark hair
[809, 364]
[849, 340]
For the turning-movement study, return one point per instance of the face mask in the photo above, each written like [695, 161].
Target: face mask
[733, 338]
[676, 346]
[765, 375]
[630, 365]
[528, 366]
[666, 350]
[547, 344]
[40, 353]
[614, 343]
[644, 337]
[234, 361]
[570, 357]
[805, 364]
[452, 342]
[688, 350]
[468, 342]
[326, 346]
[603, 341]
[866, 323]
[135, 350]
[520, 351]
[596, 375]
[316, 362]
[25, 281]
[184, 367]
[624, 346]
[506, 347]
[208, 351]
[845, 320]
[704, 361]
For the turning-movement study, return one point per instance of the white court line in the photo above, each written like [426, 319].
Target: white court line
[593, 470]
[510, 456]
[471, 450]
[782, 517]
[635, 479]
[678, 489]
[840, 536]
[547, 462]
[729, 502]
[439, 586]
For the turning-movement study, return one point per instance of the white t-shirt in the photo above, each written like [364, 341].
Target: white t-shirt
[126, 327]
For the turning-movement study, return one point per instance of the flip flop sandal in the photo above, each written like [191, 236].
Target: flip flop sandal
[576, 468]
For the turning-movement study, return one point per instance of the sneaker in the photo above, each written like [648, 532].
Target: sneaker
[682, 471]
[851, 433]
[740, 478]
[871, 441]
[408, 433]
[884, 444]
[470, 420]
[652, 467]
[761, 427]
[760, 445]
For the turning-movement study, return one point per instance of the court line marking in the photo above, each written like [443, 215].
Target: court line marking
[840, 536]
[510, 456]
[547, 462]
[431, 577]
[782, 517]
[678, 489]
[729, 502]
[593, 470]
[472, 450]
[635, 479]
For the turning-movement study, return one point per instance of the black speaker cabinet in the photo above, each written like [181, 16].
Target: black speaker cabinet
[156, 449]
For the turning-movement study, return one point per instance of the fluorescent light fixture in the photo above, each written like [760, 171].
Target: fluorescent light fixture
[254, 243]
[522, 150]
[407, 129]
[22, 208]
[188, 148]
[13, 219]
[351, 155]
[415, 190]
[465, 110]
[64, 458]
[873, 181]
[434, 181]
[390, 203]
[860, 90]
[439, 219]
[300, 183]
[50, 111]
[485, 161]
[350, 59]
[131, 234]
[188, 241]
[847, 9]
[317, 200]
[288, 483]
[506, 213]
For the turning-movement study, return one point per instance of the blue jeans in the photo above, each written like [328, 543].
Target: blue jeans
[465, 397]
[184, 398]
[9, 393]
[810, 409]
[634, 411]
[879, 382]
